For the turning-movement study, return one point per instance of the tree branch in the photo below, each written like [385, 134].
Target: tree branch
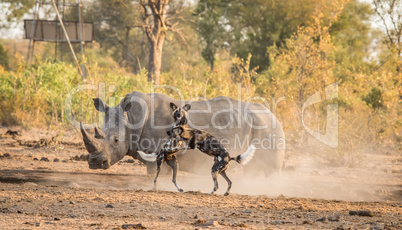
[387, 30]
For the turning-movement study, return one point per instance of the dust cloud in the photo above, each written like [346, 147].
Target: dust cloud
[374, 178]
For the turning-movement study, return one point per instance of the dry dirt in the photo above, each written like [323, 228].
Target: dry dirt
[45, 184]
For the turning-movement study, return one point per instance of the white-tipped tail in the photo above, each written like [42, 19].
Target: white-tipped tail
[246, 157]
[148, 157]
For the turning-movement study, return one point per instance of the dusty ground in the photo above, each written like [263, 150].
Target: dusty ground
[44, 185]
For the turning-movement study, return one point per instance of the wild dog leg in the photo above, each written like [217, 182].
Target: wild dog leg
[160, 159]
[173, 164]
[223, 173]
[215, 178]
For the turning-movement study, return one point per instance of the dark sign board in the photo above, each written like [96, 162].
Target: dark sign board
[51, 31]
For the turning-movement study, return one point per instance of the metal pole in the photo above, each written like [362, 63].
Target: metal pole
[61, 45]
[80, 32]
[126, 46]
[56, 38]
[68, 39]
[33, 29]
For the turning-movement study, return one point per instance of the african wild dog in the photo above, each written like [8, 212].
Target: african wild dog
[195, 138]
[169, 149]
[208, 144]
[167, 153]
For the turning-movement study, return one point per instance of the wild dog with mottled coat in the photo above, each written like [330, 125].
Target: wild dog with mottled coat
[208, 144]
[166, 154]
[203, 141]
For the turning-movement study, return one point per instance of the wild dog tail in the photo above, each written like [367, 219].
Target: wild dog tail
[148, 157]
[245, 157]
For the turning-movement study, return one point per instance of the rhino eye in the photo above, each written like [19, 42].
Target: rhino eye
[116, 139]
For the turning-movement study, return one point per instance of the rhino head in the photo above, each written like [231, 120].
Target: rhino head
[110, 145]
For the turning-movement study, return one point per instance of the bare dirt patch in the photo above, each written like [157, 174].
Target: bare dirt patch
[65, 193]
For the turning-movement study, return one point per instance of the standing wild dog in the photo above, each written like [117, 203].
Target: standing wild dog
[208, 144]
[167, 153]
[195, 138]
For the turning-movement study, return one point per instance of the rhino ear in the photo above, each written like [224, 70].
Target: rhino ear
[187, 107]
[173, 106]
[100, 106]
[127, 107]
[126, 104]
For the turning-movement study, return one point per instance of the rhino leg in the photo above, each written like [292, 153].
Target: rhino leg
[173, 164]
[151, 167]
[265, 163]
[253, 170]
[273, 162]
[223, 173]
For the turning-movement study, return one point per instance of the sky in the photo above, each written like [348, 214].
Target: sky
[16, 30]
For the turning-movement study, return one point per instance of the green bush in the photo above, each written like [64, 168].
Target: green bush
[4, 57]
[36, 95]
[374, 98]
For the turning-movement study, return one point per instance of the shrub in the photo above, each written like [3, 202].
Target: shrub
[4, 57]
[374, 98]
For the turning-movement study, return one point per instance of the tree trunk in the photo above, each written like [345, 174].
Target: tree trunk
[156, 33]
[125, 52]
[155, 60]
[211, 64]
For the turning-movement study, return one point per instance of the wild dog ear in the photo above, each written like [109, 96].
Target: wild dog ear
[173, 106]
[100, 106]
[187, 107]
[126, 104]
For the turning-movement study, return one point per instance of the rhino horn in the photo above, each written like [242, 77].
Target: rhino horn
[88, 141]
[98, 134]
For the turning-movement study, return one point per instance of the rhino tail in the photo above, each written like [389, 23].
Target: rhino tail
[148, 157]
[246, 157]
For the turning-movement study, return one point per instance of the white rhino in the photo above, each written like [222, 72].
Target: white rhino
[139, 123]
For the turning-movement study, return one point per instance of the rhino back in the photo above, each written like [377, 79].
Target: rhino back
[237, 124]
